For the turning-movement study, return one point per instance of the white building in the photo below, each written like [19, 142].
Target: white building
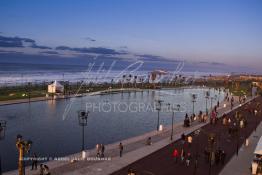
[55, 87]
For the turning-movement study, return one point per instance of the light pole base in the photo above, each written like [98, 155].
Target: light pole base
[84, 154]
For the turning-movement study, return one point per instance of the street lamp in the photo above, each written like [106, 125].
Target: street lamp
[236, 133]
[213, 98]
[82, 121]
[29, 91]
[23, 147]
[211, 141]
[2, 136]
[158, 108]
[194, 97]
[173, 115]
[207, 93]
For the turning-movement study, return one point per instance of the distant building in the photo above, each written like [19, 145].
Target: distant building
[55, 87]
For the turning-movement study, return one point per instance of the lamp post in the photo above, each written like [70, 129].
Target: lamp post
[237, 133]
[173, 115]
[23, 147]
[82, 121]
[211, 141]
[196, 133]
[194, 97]
[213, 98]
[207, 97]
[2, 136]
[158, 108]
[29, 91]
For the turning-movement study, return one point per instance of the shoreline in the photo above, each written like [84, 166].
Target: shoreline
[99, 92]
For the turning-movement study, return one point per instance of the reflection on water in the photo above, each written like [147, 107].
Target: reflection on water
[43, 123]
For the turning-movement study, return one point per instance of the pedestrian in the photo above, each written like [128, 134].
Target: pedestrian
[131, 172]
[34, 162]
[223, 157]
[217, 157]
[46, 170]
[182, 155]
[183, 138]
[148, 141]
[97, 150]
[224, 121]
[189, 140]
[188, 159]
[175, 155]
[212, 158]
[102, 150]
[41, 169]
[121, 148]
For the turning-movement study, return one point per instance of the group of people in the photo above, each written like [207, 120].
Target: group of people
[100, 150]
[201, 117]
[131, 171]
[184, 157]
[215, 157]
[187, 121]
[44, 169]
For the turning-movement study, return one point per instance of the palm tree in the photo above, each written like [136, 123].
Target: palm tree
[124, 77]
[135, 77]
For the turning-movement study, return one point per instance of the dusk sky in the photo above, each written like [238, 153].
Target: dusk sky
[223, 31]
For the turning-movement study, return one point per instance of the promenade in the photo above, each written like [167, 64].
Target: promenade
[241, 164]
[162, 162]
[134, 149]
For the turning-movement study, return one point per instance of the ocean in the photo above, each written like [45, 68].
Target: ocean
[12, 74]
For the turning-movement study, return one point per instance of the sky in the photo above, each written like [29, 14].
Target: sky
[222, 31]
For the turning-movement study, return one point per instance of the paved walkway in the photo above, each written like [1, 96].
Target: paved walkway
[240, 164]
[161, 162]
[134, 149]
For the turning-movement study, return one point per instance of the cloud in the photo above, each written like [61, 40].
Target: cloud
[148, 57]
[40, 47]
[10, 51]
[20, 42]
[14, 41]
[94, 50]
[50, 52]
[89, 39]
[63, 48]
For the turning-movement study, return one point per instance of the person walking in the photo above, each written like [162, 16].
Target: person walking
[41, 169]
[183, 138]
[46, 170]
[182, 155]
[188, 159]
[34, 162]
[223, 157]
[175, 155]
[97, 150]
[189, 140]
[148, 141]
[102, 150]
[121, 148]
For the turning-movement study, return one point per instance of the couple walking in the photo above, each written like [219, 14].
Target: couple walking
[100, 150]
